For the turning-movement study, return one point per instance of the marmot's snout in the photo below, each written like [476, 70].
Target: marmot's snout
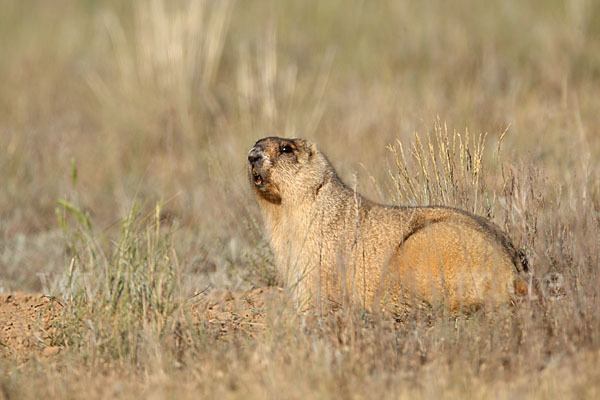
[255, 154]
[255, 161]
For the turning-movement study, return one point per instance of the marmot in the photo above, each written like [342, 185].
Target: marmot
[334, 246]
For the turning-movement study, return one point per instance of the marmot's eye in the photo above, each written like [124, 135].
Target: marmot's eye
[287, 149]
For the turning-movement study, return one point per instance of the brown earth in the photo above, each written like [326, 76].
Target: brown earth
[229, 313]
[27, 324]
[28, 321]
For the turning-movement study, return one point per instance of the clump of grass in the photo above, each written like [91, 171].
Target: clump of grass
[443, 169]
[118, 287]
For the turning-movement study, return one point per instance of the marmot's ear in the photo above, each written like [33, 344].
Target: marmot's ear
[311, 149]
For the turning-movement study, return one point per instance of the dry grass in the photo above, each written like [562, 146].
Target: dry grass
[112, 108]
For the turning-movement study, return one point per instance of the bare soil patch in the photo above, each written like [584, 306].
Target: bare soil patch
[230, 313]
[28, 321]
[27, 324]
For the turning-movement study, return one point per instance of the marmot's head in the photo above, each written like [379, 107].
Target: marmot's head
[283, 168]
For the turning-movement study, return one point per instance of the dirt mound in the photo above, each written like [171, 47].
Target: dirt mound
[27, 324]
[230, 312]
[28, 321]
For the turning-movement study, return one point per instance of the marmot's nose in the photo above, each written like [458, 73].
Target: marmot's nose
[254, 155]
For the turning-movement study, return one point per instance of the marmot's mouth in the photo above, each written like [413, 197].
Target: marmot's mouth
[256, 177]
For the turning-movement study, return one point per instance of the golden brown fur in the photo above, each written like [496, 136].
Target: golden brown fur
[332, 245]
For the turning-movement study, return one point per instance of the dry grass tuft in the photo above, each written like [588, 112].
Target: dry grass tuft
[446, 170]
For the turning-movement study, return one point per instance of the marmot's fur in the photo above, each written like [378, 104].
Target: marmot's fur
[332, 245]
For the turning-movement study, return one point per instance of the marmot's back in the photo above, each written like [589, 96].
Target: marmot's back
[333, 245]
[455, 262]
